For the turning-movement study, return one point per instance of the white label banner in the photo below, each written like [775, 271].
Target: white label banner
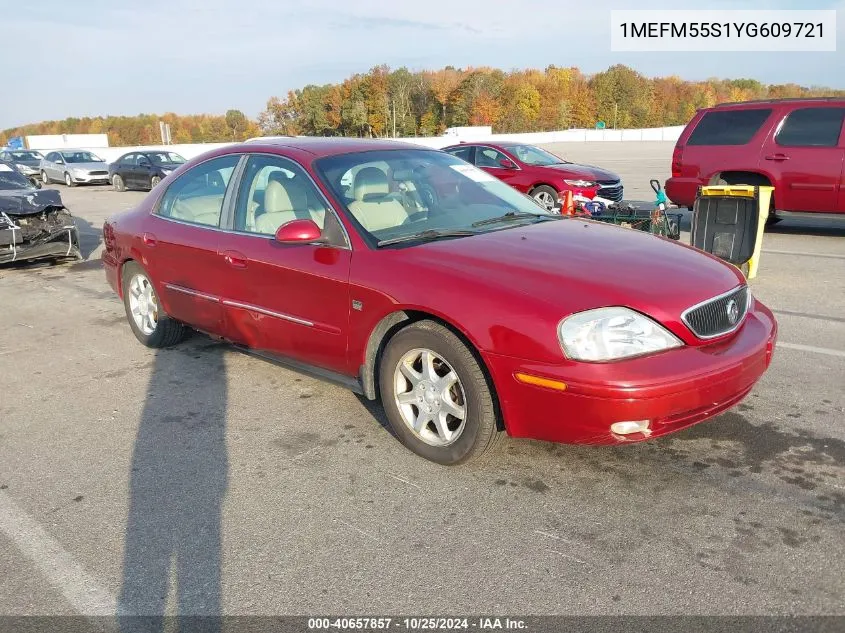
[723, 31]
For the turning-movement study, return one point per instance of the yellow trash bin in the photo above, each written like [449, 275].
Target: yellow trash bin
[728, 222]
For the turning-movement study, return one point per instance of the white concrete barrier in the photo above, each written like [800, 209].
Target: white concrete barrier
[664, 134]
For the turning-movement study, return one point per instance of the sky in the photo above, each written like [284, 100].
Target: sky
[101, 57]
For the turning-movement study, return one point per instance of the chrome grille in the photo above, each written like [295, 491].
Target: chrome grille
[715, 316]
[98, 173]
[610, 189]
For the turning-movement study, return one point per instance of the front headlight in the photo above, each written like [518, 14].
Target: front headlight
[612, 333]
[76, 171]
[24, 169]
[580, 183]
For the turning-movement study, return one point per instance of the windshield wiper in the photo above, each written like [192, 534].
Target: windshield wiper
[430, 234]
[514, 215]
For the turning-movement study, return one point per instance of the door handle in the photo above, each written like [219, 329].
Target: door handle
[777, 157]
[235, 259]
[150, 239]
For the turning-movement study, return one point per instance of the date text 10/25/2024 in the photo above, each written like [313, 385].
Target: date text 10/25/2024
[417, 624]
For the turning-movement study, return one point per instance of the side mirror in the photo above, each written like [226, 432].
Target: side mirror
[507, 163]
[299, 232]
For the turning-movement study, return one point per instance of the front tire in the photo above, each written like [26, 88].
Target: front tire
[45, 179]
[545, 196]
[436, 396]
[154, 182]
[68, 180]
[149, 323]
[117, 183]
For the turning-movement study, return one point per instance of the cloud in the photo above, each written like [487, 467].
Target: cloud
[186, 56]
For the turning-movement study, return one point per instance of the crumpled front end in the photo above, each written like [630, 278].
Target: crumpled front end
[50, 232]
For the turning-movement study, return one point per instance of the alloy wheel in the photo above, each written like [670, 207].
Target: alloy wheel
[430, 397]
[545, 199]
[143, 304]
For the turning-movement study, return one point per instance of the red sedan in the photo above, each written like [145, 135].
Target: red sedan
[409, 275]
[539, 173]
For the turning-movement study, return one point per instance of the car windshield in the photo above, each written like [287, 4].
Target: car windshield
[25, 156]
[81, 157]
[166, 158]
[12, 179]
[397, 194]
[531, 155]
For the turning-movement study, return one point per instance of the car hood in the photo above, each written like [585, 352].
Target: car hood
[587, 172]
[88, 166]
[28, 201]
[576, 265]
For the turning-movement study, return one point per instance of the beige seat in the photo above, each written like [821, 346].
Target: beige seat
[371, 207]
[199, 210]
[283, 198]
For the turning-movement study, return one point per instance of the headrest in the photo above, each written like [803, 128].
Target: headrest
[284, 194]
[369, 182]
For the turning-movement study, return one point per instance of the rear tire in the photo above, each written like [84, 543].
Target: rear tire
[149, 323]
[117, 183]
[45, 179]
[154, 182]
[545, 196]
[436, 396]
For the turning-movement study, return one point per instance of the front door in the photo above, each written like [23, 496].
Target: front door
[143, 172]
[805, 155]
[490, 160]
[181, 244]
[290, 300]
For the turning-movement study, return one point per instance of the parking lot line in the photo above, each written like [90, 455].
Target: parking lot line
[82, 591]
[805, 254]
[806, 315]
[811, 348]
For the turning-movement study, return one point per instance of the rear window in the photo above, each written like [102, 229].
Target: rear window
[811, 127]
[728, 127]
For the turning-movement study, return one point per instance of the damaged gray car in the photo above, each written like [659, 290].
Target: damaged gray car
[34, 223]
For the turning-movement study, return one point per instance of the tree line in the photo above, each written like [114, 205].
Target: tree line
[385, 102]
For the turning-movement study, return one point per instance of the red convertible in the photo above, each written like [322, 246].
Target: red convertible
[413, 277]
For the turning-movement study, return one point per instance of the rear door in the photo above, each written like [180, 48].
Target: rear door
[180, 244]
[805, 157]
[125, 169]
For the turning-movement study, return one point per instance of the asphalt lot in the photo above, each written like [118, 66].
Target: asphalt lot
[125, 473]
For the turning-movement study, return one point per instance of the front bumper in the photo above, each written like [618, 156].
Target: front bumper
[671, 390]
[90, 179]
[62, 243]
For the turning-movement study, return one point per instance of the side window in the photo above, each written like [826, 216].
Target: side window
[811, 127]
[197, 196]
[274, 191]
[728, 127]
[142, 160]
[464, 153]
[51, 157]
[488, 157]
[128, 160]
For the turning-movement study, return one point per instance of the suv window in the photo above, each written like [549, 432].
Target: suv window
[274, 191]
[811, 127]
[464, 153]
[197, 196]
[728, 127]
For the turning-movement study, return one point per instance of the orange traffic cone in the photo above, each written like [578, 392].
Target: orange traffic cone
[567, 205]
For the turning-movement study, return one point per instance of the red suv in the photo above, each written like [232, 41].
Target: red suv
[795, 145]
[539, 173]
